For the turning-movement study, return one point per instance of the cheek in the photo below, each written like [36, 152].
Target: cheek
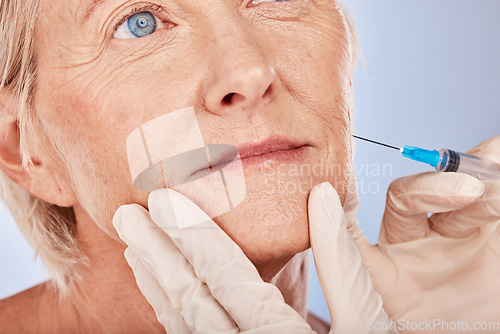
[92, 148]
[101, 179]
[323, 48]
[315, 65]
[90, 117]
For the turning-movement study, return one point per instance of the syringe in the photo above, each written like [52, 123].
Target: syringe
[446, 160]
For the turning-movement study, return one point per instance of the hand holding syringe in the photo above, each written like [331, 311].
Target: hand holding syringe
[446, 160]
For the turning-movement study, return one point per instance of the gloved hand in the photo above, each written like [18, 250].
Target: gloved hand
[198, 280]
[444, 268]
[353, 303]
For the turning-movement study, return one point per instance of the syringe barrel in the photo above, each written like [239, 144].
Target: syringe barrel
[453, 161]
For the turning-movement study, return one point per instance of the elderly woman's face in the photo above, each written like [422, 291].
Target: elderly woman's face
[252, 70]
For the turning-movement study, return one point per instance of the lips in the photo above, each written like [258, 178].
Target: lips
[195, 164]
[222, 155]
[270, 145]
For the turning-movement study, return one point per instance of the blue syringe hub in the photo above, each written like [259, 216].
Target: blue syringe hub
[420, 154]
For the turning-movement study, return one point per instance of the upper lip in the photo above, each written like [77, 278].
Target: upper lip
[268, 145]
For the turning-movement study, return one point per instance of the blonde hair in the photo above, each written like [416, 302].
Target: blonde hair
[50, 229]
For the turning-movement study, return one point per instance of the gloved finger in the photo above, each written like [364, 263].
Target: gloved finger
[217, 260]
[462, 223]
[372, 258]
[488, 149]
[166, 314]
[186, 292]
[411, 198]
[351, 204]
[353, 303]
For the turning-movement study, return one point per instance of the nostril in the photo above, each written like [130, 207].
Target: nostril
[268, 91]
[228, 98]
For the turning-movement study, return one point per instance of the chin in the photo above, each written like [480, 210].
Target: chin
[270, 226]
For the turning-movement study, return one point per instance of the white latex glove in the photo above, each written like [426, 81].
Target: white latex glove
[444, 268]
[352, 301]
[198, 280]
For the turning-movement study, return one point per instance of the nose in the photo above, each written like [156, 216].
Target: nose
[244, 79]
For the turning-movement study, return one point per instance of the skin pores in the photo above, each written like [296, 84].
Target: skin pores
[277, 70]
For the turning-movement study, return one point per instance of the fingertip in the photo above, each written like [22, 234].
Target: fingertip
[470, 185]
[117, 218]
[488, 150]
[121, 212]
[461, 188]
[326, 214]
[157, 196]
[324, 186]
[162, 209]
[324, 190]
[317, 190]
[432, 188]
[172, 210]
[126, 213]
[131, 257]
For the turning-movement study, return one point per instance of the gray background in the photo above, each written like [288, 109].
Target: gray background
[429, 78]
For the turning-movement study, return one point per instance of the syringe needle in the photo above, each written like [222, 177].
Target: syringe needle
[376, 142]
[446, 160]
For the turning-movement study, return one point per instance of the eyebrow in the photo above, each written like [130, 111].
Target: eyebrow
[90, 9]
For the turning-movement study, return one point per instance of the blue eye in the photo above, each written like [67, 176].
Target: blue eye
[142, 24]
[137, 25]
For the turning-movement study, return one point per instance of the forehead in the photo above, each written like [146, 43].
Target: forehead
[84, 8]
[61, 9]
[80, 10]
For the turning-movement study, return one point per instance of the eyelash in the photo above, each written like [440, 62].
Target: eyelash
[152, 8]
[137, 9]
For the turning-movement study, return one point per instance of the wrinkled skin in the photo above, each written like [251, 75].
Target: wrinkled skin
[288, 64]
[251, 70]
